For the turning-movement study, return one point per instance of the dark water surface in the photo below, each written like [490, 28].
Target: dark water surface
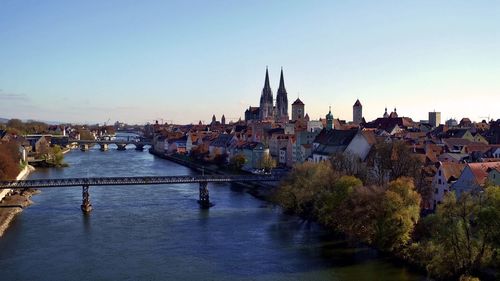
[159, 233]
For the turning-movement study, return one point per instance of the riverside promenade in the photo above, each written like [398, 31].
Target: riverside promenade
[260, 190]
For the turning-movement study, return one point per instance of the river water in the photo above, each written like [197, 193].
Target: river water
[160, 233]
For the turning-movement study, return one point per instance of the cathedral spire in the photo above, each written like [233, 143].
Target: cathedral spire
[282, 81]
[282, 100]
[266, 100]
[266, 82]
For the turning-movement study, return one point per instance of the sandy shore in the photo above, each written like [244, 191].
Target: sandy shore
[14, 202]
[12, 205]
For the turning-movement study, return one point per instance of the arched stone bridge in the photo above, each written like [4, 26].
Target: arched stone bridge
[85, 183]
[121, 144]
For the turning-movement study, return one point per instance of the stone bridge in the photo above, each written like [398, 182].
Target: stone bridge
[121, 144]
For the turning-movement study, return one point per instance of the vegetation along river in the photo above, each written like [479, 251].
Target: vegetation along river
[159, 232]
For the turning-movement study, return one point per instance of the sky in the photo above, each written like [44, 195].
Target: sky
[99, 61]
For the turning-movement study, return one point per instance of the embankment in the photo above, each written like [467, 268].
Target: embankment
[12, 202]
[259, 190]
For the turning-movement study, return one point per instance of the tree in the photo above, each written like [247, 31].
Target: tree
[56, 156]
[390, 161]
[330, 200]
[16, 124]
[267, 162]
[383, 216]
[298, 192]
[466, 233]
[220, 159]
[400, 214]
[360, 211]
[9, 160]
[237, 161]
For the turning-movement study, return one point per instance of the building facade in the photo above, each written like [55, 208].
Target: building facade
[435, 118]
[357, 113]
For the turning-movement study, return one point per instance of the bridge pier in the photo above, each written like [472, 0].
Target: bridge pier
[84, 147]
[104, 146]
[86, 206]
[204, 200]
[121, 146]
[139, 147]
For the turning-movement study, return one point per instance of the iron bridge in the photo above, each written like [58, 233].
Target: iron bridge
[85, 183]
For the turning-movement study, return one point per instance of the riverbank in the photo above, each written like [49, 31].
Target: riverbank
[14, 201]
[259, 190]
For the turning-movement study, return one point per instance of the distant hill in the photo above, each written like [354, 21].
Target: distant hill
[3, 120]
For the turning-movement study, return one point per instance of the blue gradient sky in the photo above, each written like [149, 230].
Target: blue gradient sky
[136, 61]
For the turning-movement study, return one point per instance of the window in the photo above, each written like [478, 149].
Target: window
[439, 181]
[440, 172]
[436, 191]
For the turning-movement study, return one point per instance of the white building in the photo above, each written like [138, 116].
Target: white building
[446, 175]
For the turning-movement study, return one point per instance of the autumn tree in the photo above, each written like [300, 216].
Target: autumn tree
[9, 160]
[267, 163]
[237, 162]
[384, 216]
[299, 191]
[331, 199]
[392, 160]
[400, 214]
[465, 235]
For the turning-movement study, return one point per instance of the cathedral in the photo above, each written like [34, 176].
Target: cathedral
[267, 111]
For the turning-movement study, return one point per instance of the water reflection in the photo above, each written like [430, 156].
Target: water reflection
[160, 233]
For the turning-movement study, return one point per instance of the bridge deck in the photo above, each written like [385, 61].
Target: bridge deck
[119, 141]
[70, 182]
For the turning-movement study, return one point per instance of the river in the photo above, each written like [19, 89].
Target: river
[160, 233]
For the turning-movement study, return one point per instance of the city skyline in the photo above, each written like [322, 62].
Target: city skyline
[93, 62]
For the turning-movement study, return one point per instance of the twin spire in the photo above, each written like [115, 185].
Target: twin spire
[267, 85]
[267, 109]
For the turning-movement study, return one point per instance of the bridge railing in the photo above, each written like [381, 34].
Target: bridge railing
[101, 181]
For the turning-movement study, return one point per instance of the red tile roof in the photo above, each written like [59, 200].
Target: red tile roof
[480, 170]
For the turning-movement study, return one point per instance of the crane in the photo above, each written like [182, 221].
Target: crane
[487, 118]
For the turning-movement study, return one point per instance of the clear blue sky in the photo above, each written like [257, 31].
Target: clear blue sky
[137, 61]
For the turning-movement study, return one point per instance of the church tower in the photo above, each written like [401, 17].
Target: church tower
[282, 101]
[329, 120]
[357, 112]
[297, 110]
[266, 100]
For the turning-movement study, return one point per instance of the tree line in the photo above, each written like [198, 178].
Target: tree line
[383, 210]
